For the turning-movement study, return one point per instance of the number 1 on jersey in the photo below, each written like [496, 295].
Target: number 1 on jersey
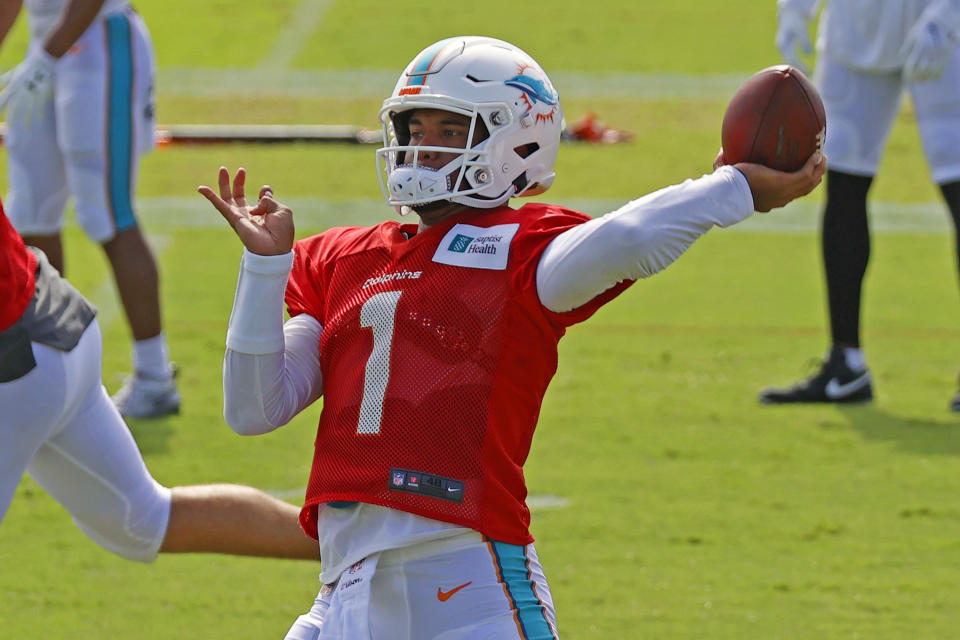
[378, 314]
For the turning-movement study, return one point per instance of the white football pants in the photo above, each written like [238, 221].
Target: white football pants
[861, 107]
[462, 588]
[87, 140]
[57, 423]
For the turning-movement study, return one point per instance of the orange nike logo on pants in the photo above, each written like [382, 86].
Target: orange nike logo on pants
[443, 596]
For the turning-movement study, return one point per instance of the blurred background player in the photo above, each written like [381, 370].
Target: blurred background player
[79, 114]
[60, 426]
[868, 52]
[433, 343]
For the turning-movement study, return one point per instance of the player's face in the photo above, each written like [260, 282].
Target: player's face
[438, 128]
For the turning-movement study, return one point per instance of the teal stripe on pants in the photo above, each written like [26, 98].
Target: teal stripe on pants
[512, 562]
[120, 120]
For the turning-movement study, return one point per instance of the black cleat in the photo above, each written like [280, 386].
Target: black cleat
[835, 382]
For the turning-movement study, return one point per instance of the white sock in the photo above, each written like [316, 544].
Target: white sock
[151, 358]
[855, 358]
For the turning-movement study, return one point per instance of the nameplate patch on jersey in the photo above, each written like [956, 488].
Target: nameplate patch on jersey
[426, 484]
[477, 247]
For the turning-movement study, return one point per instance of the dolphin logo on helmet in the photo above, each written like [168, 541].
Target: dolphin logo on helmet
[536, 90]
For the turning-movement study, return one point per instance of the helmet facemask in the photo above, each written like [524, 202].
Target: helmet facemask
[407, 182]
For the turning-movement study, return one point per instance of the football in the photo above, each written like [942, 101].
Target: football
[775, 119]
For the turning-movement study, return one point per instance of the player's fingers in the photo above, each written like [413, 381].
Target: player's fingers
[816, 166]
[239, 181]
[266, 205]
[228, 212]
[213, 198]
[223, 181]
[810, 175]
[810, 165]
[265, 190]
[718, 161]
[820, 169]
[209, 194]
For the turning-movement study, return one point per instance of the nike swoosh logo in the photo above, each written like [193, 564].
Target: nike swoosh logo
[834, 390]
[443, 596]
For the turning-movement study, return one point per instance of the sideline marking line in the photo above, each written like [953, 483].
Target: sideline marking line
[305, 18]
[803, 217]
[378, 83]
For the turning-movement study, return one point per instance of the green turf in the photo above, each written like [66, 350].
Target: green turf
[693, 512]
[675, 139]
[727, 519]
[652, 36]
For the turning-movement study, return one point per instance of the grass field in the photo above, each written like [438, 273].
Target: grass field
[686, 509]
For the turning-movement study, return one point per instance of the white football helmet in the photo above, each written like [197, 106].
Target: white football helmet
[493, 83]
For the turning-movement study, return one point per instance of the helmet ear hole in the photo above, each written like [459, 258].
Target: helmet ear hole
[401, 126]
[481, 132]
[401, 131]
[526, 150]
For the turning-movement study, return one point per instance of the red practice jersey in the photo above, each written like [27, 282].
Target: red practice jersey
[436, 354]
[17, 271]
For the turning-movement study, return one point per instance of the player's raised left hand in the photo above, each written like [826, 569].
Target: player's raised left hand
[265, 228]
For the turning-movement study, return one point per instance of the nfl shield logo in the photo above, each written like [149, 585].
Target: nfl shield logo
[398, 478]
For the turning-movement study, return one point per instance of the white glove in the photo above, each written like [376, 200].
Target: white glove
[928, 46]
[28, 87]
[793, 36]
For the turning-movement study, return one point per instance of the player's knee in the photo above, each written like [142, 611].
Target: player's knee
[96, 222]
[34, 211]
[87, 175]
[132, 527]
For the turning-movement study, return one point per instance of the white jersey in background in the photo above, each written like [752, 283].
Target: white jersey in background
[44, 14]
[868, 35]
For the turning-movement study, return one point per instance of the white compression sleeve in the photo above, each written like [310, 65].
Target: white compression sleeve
[639, 239]
[264, 391]
[271, 370]
[256, 320]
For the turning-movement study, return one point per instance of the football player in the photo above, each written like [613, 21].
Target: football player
[79, 113]
[432, 342]
[59, 425]
[869, 52]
